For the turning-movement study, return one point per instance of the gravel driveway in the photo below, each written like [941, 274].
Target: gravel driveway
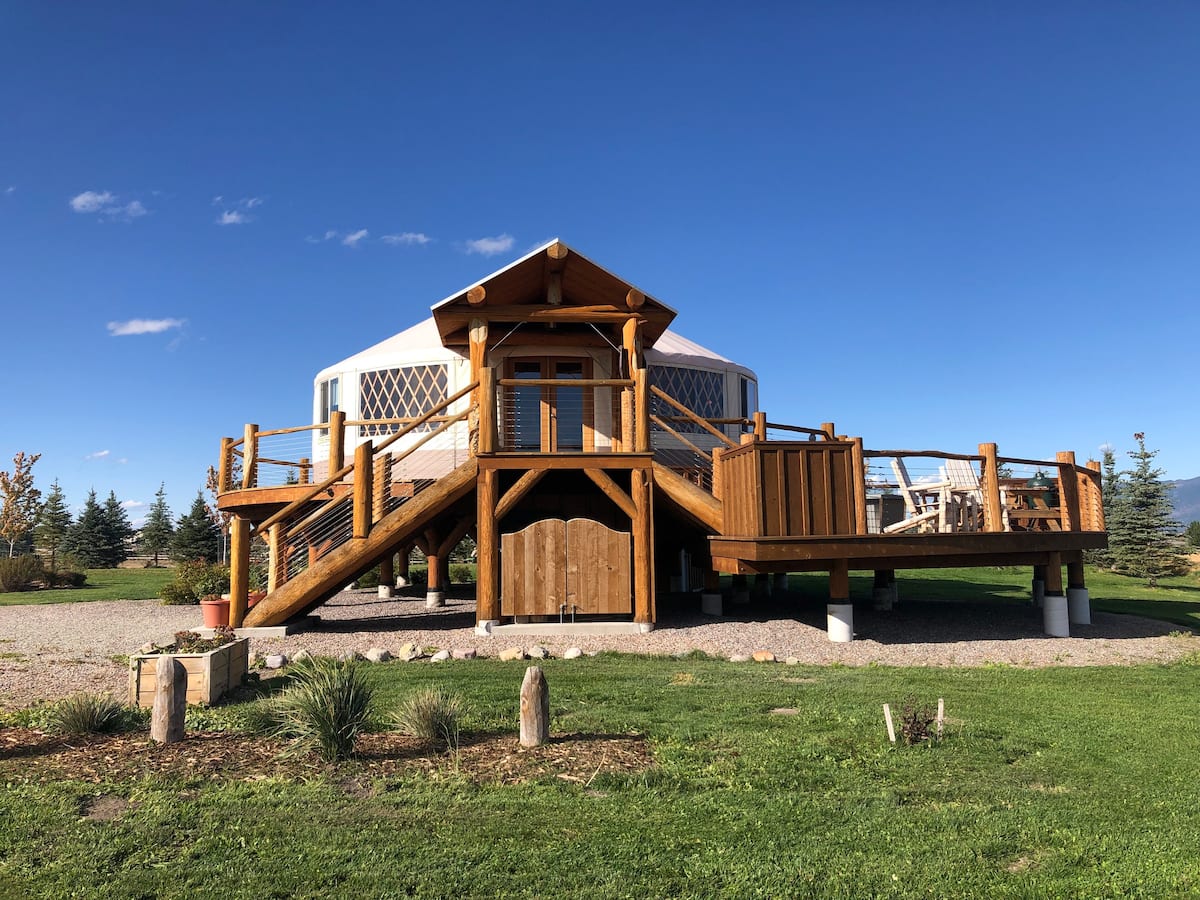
[54, 650]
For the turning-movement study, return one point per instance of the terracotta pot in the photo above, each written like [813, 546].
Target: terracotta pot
[216, 612]
[253, 597]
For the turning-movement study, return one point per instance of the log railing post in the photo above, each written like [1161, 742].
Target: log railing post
[829, 431]
[993, 511]
[305, 470]
[487, 582]
[382, 485]
[487, 410]
[276, 557]
[239, 569]
[718, 483]
[1096, 496]
[641, 406]
[363, 478]
[760, 426]
[225, 466]
[859, 463]
[1068, 490]
[337, 441]
[250, 457]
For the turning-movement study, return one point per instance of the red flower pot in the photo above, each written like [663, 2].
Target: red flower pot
[216, 612]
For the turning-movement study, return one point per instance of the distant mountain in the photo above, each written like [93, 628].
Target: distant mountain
[1186, 497]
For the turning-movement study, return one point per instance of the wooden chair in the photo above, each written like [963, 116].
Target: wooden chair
[964, 496]
[925, 503]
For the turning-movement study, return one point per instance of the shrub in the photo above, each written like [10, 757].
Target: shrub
[192, 642]
[430, 715]
[90, 714]
[194, 580]
[20, 573]
[368, 579]
[461, 573]
[71, 579]
[175, 594]
[328, 706]
[917, 722]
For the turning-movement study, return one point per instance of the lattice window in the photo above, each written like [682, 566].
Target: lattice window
[399, 394]
[701, 392]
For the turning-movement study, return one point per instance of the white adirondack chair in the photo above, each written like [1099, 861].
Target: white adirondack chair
[963, 496]
[925, 503]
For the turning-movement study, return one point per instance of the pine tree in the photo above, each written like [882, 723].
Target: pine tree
[87, 538]
[158, 530]
[196, 535]
[117, 530]
[1110, 493]
[1193, 534]
[20, 501]
[53, 528]
[1143, 538]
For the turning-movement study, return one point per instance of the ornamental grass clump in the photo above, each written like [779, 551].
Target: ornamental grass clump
[430, 715]
[89, 714]
[327, 707]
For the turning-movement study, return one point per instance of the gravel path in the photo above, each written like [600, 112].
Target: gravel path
[50, 651]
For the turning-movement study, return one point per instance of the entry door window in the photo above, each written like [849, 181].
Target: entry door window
[546, 418]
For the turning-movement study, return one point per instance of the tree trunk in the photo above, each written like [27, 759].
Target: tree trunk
[170, 701]
[535, 708]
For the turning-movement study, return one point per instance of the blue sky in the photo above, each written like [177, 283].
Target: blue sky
[934, 224]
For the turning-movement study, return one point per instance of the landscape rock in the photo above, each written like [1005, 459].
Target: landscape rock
[440, 656]
[409, 652]
[792, 661]
[301, 655]
[469, 653]
[572, 653]
[377, 654]
[764, 656]
[739, 657]
[349, 655]
[592, 653]
[275, 661]
[512, 653]
[538, 653]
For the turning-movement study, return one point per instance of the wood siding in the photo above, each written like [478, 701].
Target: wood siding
[794, 489]
[552, 567]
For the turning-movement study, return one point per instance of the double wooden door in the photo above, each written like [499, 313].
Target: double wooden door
[553, 567]
[543, 418]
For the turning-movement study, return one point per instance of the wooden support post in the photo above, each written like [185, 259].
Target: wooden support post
[760, 426]
[643, 552]
[305, 474]
[435, 590]
[402, 565]
[993, 511]
[250, 457]
[487, 581]
[337, 441]
[881, 592]
[170, 701]
[239, 569]
[1075, 575]
[859, 464]
[1096, 497]
[224, 466]
[641, 407]
[382, 487]
[1054, 574]
[1068, 491]
[839, 614]
[829, 430]
[387, 576]
[535, 708]
[487, 410]
[363, 476]
[718, 484]
[1055, 612]
[276, 557]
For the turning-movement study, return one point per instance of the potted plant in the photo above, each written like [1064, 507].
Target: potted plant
[215, 610]
[214, 666]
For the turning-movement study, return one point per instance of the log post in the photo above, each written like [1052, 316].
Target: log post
[829, 430]
[487, 410]
[250, 457]
[487, 583]
[239, 569]
[305, 474]
[1096, 497]
[858, 461]
[881, 592]
[760, 426]
[363, 476]
[402, 578]
[387, 577]
[381, 487]
[535, 708]
[643, 555]
[276, 557]
[337, 440]
[839, 614]
[993, 511]
[170, 701]
[1056, 621]
[1079, 603]
[224, 481]
[641, 406]
[1068, 490]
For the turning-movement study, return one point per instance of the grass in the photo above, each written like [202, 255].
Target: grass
[1057, 782]
[102, 584]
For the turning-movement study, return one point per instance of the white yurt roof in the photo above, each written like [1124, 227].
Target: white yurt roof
[422, 344]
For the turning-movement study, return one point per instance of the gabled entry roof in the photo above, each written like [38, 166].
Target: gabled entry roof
[552, 283]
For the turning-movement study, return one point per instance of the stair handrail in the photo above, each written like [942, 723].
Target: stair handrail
[703, 423]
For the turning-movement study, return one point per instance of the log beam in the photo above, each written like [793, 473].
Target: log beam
[487, 582]
[514, 494]
[611, 490]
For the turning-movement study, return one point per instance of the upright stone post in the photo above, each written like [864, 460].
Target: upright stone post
[535, 708]
[170, 701]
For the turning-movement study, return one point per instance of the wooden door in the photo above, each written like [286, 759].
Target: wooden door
[553, 568]
[545, 418]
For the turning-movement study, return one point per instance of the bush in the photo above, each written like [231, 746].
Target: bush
[461, 573]
[90, 714]
[20, 573]
[328, 707]
[430, 715]
[71, 579]
[369, 579]
[194, 580]
[175, 594]
[917, 722]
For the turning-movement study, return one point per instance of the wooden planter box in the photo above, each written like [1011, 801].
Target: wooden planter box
[209, 675]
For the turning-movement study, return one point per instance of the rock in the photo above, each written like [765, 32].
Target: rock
[592, 653]
[409, 652]
[440, 656]
[538, 653]
[739, 657]
[512, 653]
[469, 653]
[301, 655]
[275, 661]
[349, 655]
[764, 656]
[792, 661]
[572, 653]
[148, 647]
[377, 654]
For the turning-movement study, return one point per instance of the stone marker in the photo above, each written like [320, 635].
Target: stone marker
[512, 653]
[170, 701]
[535, 708]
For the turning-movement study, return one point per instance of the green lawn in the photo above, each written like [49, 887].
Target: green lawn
[1050, 783]
[102, 584]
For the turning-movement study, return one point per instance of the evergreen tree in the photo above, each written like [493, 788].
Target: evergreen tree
[117, 530]
[53, 528]
[196, 535]
[1110, 493]
[1143, 539]
[158, 530]
[1193, 534]
[88, 538]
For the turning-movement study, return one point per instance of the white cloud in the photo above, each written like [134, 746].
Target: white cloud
[10, 189]
[143, 326]
[218, 200]
[352, 239]
[406, 238]
[92, 201]
[131, 210]
[251, 202]
[132, 504]
[490, 246]
[233, 217]
[99, 454]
